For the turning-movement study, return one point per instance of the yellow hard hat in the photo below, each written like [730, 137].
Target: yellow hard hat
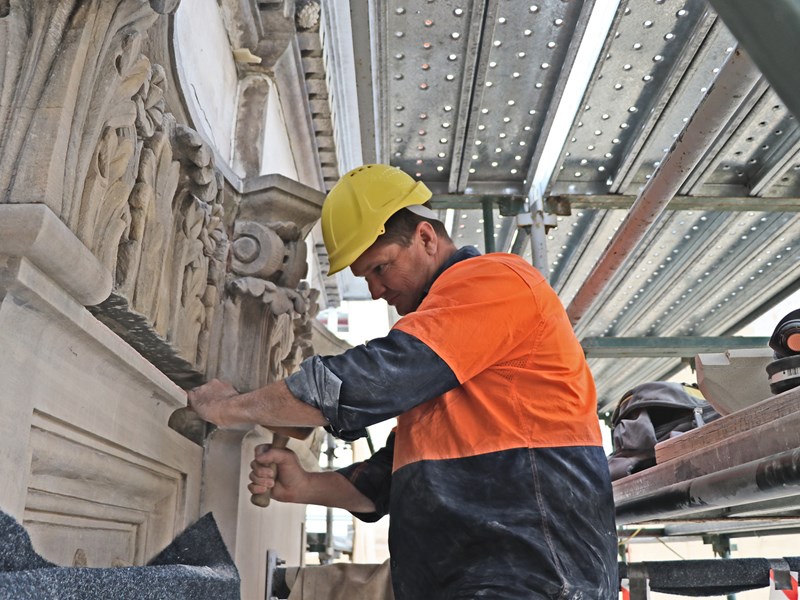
[358, 206]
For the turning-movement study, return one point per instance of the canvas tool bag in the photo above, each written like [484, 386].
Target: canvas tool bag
[651, 413]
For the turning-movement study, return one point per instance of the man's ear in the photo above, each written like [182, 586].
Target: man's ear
[428, 236]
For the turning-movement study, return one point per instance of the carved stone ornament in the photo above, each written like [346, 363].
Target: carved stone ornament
[94, 140]
[274, 251]
[307, 15]
[168, 249]
[255, 356]
[70, 71]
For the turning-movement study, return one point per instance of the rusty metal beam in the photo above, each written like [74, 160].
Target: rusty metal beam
[726, 203]
[736, 78]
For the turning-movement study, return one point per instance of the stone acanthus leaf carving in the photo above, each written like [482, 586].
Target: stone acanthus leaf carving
[149, 101]
[153, 214]
[280, 300]
[92, 53]
[288, 335]
[103, 214]
[203, 242]
[143, 250]
[302, 347]
[69, 70]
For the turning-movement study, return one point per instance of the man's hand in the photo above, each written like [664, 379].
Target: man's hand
[291, 482]
[211, 402]
[294, 484]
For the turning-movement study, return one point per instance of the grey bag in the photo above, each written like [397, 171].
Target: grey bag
[651, 413]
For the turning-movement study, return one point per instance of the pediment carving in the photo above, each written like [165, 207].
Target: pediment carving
[203, 267]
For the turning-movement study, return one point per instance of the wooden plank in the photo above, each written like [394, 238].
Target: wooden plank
[760, 442]
[770, 438]
[763, 412]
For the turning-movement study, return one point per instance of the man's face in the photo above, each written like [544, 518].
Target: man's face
[396, 273]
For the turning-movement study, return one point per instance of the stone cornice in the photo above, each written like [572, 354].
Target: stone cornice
[34, 232]
[275, 197]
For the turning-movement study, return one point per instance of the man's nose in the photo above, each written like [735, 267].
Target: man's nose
[375, 288]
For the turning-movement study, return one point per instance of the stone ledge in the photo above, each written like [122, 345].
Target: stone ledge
[34, 232]
[36, 293]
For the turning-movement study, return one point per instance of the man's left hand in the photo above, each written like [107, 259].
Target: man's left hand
[211, 402]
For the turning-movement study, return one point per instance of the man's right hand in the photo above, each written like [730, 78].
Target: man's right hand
[291, 481]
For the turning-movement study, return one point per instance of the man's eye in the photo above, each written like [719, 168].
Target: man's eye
[379, 269]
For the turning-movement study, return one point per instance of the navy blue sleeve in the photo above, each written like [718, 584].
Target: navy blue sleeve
[372, 383]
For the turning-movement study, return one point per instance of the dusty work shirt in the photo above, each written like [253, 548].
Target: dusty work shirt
[494, 478]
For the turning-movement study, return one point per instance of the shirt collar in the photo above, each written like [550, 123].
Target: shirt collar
[459, 255]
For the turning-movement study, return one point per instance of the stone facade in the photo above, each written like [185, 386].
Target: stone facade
[143, 250]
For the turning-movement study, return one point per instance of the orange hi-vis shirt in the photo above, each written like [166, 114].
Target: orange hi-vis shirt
[524, 380]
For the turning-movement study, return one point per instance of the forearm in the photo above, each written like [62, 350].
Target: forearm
[330, 488]
[272, 406]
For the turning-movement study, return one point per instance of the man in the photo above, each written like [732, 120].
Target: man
[494, 477]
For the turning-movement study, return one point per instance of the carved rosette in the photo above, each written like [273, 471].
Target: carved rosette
[272, 251]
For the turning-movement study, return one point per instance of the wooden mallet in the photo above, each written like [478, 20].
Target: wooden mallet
[278, 441]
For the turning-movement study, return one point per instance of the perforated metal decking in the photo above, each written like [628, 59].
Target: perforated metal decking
[466, 94]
